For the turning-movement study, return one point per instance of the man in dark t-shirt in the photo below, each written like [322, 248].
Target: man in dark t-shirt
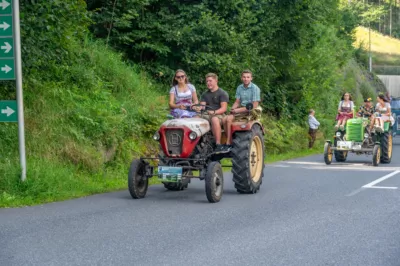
[218, 100]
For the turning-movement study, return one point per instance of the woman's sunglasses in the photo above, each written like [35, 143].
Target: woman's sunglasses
[180, 77]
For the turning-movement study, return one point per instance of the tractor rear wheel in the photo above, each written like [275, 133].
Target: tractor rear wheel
[248, 160]
[340, 156]
[386, 146]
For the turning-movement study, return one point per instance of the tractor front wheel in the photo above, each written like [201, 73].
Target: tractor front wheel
[214, 182]
[137, 179]
[328, 153]
[376, 155]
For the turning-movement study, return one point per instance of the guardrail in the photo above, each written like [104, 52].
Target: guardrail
[386, 69]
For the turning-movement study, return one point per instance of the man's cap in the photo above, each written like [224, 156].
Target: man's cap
[367, 100]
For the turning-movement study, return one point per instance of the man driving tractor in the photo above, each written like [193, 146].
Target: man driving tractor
[218, 100]
[367, 110]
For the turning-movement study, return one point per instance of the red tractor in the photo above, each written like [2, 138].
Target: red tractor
[187, 146]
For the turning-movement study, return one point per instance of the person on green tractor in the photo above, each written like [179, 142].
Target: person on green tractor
[367, 110]
[383, 113]
[345, 111]
[247, 92]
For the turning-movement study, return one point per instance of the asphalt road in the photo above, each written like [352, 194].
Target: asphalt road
[306, 213]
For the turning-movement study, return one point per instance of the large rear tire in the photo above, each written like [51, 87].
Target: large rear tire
[137, 180]
[248, 160]
[340, 156]
[214, 182]
[386, 147]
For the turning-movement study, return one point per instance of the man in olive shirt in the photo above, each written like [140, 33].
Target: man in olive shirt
[217, 99]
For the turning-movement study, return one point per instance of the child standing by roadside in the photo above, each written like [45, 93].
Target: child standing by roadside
[314, 124]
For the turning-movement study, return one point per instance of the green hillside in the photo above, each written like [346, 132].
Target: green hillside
[385, 50]
[96, 81]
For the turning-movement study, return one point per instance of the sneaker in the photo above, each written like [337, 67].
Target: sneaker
[379, 129]
[341, 127]
[228, 147]
[336, 127]
[219, 148]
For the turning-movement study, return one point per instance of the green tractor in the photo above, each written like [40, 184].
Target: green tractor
[357, 138]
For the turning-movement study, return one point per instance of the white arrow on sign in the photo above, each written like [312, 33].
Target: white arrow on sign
[7, 111]
[4, 25]
[6, 69]
[7, 47]
[4, 4]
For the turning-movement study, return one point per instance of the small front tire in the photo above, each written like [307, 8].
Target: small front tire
[328, 153]
[214, 182]
[137, 180]
[376, 155]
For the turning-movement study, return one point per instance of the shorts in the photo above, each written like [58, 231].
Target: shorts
[209, 116]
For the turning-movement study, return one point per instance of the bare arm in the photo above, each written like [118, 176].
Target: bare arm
[224, 106]
[243, 109]
[194, 98]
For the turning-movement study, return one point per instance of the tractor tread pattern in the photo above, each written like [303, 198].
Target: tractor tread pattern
[240, 162]
[385, 158]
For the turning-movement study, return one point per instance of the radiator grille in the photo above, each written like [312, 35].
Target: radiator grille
[354, 130]
[174, 139]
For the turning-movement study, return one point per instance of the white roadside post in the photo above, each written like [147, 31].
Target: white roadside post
[18, 76]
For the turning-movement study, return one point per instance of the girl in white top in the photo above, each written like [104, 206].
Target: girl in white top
[345, 111]
[383, 113]
[182, 96]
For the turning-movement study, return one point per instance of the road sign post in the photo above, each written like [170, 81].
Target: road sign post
[11, 69]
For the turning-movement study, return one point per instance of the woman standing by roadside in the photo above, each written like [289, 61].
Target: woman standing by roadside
[345, 111]
[182, 95]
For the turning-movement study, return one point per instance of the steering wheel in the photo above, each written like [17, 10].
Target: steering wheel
[206, 109]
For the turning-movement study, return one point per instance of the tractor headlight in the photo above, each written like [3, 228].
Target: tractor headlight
[366, 135]
[156, 136]
[193, 135]
[338, 134]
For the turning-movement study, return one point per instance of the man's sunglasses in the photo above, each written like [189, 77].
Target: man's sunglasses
[180, 77]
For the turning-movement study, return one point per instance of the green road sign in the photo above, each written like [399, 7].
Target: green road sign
[6, 47]
[8, 111]
[6, 26]
[7, 69]
[5, 7]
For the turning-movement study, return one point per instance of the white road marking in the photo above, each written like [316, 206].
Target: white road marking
[281, 165]
[317, 163]
[369, 185]
[383, 187]
[364, 168]
[373, 183]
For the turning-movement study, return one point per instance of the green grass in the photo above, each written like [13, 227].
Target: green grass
[385, 50]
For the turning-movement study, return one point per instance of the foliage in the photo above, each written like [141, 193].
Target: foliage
[89, 110]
